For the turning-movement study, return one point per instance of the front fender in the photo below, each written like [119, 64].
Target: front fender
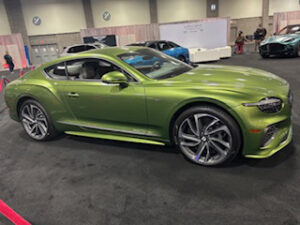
[205, 100]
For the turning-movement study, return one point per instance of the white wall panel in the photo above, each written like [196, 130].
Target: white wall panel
[283, 6]
[199, 34]
[58, 16]
[123, 12]
[4, 25]
[237, 9]
[180, 10]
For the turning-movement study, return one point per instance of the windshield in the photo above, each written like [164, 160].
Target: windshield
[154, 64]
[137, 44]
[290, 30]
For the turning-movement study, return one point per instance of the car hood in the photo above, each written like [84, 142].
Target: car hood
[233, 78]
[280, 38]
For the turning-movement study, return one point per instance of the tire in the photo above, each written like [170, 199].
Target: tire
[36, 122]
[265, 56]
[182, 58]
[298, 51]
[216, 141]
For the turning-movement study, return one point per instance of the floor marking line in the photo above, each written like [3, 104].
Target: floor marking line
[12, 215]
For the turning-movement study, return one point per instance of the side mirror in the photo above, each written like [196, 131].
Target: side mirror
[115, 77]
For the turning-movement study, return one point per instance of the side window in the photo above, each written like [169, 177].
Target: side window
[89, 47]
[57, 71]
[91, 69]
[295, 29]
[163, 46]
[71, 50]
[153, 45]
[76, 49]
[173, 45]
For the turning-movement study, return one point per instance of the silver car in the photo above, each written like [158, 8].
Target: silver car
[74, 49]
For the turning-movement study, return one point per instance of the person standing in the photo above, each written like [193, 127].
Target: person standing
[239, 43]
[259, 35]
[9, 61]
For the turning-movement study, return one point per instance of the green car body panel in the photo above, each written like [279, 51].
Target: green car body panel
[145, 110]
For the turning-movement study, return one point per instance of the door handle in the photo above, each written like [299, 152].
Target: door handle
[73, 95]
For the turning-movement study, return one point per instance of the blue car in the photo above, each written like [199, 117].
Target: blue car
[167, 47]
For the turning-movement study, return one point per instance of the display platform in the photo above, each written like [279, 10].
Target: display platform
[198, 55]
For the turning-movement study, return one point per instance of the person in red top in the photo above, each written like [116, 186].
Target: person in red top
[239, 43]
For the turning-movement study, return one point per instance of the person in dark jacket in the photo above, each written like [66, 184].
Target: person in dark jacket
[9, 61]
[259, 35]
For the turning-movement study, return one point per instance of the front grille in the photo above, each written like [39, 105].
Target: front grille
[273, 47]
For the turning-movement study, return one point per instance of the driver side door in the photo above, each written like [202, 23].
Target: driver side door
[104, 107]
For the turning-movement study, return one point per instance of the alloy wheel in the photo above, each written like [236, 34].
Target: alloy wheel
[34, 121]
[205, 139]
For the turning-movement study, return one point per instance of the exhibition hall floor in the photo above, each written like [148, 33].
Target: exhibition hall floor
[75, 180]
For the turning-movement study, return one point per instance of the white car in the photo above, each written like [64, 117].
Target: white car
[71, 50]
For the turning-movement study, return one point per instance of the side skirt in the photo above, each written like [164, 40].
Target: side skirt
[114, 137]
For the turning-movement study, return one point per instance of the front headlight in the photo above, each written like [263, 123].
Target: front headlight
[290, 40]
[267, 105]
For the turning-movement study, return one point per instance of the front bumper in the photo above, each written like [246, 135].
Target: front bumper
[277, 49]
[264, 134]
[282, 138]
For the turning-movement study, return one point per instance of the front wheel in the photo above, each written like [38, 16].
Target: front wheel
[36, 121]
[298, 51]
[207, 135]
[264, 55]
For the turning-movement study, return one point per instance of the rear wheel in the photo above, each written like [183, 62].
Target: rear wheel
[207, 135]
[36, 121]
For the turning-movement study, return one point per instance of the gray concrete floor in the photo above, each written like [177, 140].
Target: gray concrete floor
[76, 180]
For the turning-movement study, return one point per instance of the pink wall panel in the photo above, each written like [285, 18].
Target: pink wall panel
[283, 19]
[14, 39]
[142, 32]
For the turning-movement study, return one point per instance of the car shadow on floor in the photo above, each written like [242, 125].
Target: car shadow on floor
[272, 162]
[127, 145]
[280, 57]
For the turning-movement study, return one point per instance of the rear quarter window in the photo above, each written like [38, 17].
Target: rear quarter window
[57, 71]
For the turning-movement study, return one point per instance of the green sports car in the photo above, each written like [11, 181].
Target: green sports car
[211, 113]
[285, 43]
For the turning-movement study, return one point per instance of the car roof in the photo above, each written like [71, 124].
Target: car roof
[110, 51]
[80, 45]
[147, 42]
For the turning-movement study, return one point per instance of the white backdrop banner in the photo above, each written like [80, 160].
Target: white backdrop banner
[210, 33]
